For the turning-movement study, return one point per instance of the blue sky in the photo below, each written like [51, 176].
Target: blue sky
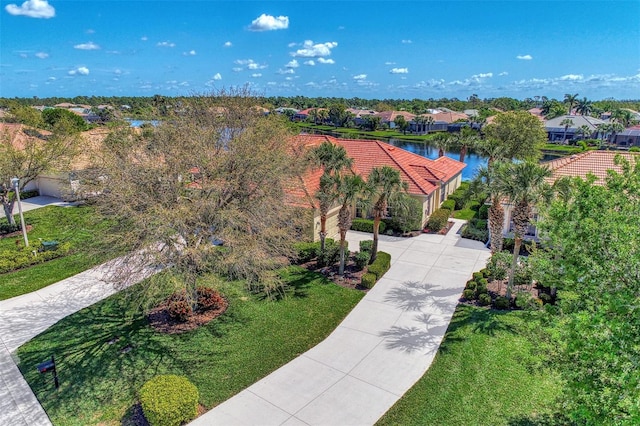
[367, 49]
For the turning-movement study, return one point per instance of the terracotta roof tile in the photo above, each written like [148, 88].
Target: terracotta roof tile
[591, 162]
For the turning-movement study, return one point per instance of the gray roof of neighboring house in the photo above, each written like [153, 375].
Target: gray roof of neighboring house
[629, 132]
[578, 121]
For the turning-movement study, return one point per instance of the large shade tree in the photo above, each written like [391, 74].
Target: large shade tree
[592, 256]
[206, 191]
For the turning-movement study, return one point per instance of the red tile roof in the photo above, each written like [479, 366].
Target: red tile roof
[422, 174]
[390, 116]
[591, 162]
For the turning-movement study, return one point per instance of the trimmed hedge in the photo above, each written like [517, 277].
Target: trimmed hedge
[361, 259]
[366, 225]
[377, 269]
[11, 260]
[366, 245]
[438, 219]
[483, 212]
[448, 204]
[169, 400]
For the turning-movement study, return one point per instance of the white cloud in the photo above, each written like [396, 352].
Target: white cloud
[360, 77]
[228, 44]
[389, 63]
[503, 73]
[292, 44]
[144, 38]
[256, 75]
[79, 71]
[311, 50]
[236, 69]
[399, 71]
[87, 46]
[255, 66]
[482, 75]
[217, 76]
[286, 71]
[292, 64]
[32, 9]
[406, 42]
[165, 44]
[268, 23]
[524, 57]
[326, 61]
[42, 55]
[189, 53]
[310, 62]
[572, 77]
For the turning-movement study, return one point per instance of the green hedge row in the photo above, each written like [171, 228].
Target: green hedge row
[11, 260]
[377, 269]
[438, 219]
[366, 225]
[306, 252]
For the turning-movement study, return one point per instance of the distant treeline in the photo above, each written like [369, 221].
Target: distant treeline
[149, 106]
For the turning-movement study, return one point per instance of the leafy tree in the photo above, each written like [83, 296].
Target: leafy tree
[334, 161]
[385, 186]
[200, 180]
[514, 135]
[593, 258]
[63, 121]
[28, 156]
[401, 123]
[26, 115]
[524, 185]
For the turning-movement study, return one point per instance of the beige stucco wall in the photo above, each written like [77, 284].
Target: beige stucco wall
[332, 224]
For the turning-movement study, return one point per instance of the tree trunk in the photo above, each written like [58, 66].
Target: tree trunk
[514, 265]
[8, 211]
[463, 153]
[323, 231]
[496, 220]
[343, 236]
[374, 246]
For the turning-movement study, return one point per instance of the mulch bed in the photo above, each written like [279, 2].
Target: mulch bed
[16, 233]
[161, 321]
[351, 278]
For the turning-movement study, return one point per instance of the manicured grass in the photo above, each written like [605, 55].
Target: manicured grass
[490, 370]
[98, 382]
[63, 224]
[466, 214]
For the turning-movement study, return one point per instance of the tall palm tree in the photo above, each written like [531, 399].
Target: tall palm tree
[584, 131]
[350, 190]
[485, 182]
[323, 115]
[385, 184]
[567, 122]
[442, 141]
[429, 122]
[333, 160]
[523, 184]
[467, 138]
[622, 116]
[584, 106]
[571, 100]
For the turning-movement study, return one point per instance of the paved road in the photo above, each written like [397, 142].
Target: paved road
[377, 353]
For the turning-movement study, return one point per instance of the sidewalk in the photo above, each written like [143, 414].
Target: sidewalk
[38, 202]
[378, 352]
[26, 316]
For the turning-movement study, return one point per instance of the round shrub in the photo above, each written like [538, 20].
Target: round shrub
[478, 276]
[482, 288]
[483, 281]
[438, 219]
[484, 299]
[361, 259]
[471, 285]
[469, 294]
[169, 400]
[366, 245]
[501, 302]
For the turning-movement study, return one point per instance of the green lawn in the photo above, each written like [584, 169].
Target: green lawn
[98, 382]
[63, 224]
[490, 370]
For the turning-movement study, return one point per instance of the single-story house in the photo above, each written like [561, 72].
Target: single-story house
[565, 127]
[430, 181]
[389, 117]
[595, 163]
[628, 137]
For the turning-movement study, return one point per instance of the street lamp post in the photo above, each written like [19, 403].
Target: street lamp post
[15, 181]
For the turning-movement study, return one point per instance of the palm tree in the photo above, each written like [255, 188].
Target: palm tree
[567, 122]
[313, 115]
[442, 141]
[584, 131]
[401, 123]
[622, 116]
[429, 120]
[571, 100]
[385, 184]
[350, 189]
[333, 160]
[419, 120]
[485, 183]
[585, 106]
[467, 138]
[323, 115]
[523, 184]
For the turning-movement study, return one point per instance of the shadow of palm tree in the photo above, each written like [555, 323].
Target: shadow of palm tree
[414, 296]
[425, 336]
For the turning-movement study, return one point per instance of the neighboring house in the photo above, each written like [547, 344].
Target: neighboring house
[430, 181]
[559, 132]
[628, 137]
[595, 163]
[359, 114]
[388, 117]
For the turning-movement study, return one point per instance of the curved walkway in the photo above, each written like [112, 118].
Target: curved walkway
[378, 352]
[352, 378]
